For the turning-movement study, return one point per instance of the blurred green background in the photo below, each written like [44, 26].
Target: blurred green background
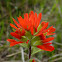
[51, 11]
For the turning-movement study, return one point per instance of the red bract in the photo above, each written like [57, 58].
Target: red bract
[31, 23]
[18, 34]
[13, 42]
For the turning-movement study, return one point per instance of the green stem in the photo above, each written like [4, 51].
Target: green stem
[30, 52]
[30, 48]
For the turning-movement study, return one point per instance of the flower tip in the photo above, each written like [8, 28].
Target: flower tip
[7, 40]
[27, 41]
[53, 37]
[32, 12]
[40, 14]
[52, 49]
[10, 46]
[10, 24]
[33, 60]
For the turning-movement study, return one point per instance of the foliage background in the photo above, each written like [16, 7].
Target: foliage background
[51, 11]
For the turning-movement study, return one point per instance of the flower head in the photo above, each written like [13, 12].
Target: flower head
[31, 28]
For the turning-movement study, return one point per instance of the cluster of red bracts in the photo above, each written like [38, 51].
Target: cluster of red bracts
[31, 23]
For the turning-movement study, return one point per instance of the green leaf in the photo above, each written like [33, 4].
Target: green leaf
[39, 27]
[37, 43]
[24, 45]
[35, 50]
[35, 38]
[28, 35]
[24, 38]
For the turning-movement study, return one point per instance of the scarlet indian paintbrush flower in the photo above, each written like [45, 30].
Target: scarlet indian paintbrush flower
[31, 24]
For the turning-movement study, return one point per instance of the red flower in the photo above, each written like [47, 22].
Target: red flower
[18, 34]
[46, 47]
[31, 23]
[13, 42]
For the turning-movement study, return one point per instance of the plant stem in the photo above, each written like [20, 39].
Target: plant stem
[22, 54]
[29, 49]
[30, 52]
